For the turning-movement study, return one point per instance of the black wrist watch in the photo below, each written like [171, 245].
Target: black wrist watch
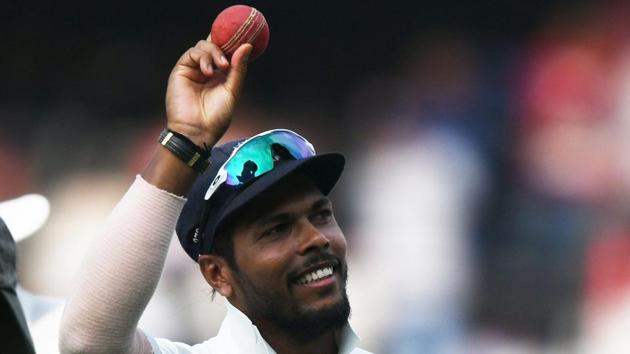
[192, 155]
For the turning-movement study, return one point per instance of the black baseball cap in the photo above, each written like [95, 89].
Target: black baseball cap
[200, 219]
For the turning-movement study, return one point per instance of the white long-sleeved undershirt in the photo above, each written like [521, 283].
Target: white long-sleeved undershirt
[120, 273]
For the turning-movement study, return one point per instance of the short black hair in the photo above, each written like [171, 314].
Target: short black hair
[223, 245]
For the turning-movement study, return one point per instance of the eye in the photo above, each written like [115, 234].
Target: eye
[275, 231]
[323, 216]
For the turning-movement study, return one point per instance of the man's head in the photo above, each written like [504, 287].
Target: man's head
[270, 243]
[281, 242]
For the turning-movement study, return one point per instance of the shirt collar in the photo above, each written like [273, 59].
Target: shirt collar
[347, 340]
[241, 334]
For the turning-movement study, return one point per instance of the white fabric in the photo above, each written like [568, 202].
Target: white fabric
[119, 274]
[238, 335]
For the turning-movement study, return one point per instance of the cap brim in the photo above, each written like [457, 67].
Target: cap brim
[324, 170]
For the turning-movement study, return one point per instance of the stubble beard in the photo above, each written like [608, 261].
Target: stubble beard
[300, 324]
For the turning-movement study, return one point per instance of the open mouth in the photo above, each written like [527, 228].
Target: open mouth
[317, 273]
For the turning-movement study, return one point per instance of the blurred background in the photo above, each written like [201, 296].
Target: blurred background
[486, 195]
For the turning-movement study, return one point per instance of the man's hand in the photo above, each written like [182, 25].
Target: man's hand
[202, 91]
[200, 98]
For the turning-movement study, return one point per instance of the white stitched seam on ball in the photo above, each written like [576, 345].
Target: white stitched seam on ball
[250, 33]
[227, 47]
[246, 29]
[256, 31]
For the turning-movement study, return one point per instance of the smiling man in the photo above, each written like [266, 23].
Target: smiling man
[256, 218]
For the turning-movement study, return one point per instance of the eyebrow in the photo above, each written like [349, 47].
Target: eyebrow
[281, 217]
[321, 202]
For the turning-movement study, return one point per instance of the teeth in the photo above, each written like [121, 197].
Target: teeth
[315, 275]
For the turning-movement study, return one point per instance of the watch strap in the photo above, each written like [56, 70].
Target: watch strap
[192, 155]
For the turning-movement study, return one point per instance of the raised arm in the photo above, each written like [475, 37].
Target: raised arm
[120, 272]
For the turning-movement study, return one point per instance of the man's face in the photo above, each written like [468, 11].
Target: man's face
[290, 254]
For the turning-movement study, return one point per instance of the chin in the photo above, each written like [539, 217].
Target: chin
[307, 319]
[335, 309]
[316, 319]
[324, 304]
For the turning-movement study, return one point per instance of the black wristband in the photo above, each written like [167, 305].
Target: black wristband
[192, 155]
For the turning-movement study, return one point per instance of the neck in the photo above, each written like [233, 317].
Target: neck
[284, 343]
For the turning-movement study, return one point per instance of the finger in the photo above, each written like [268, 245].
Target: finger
[238, 69]
[203, 61]
[188, 67]
[194, 62]
[218, 58]
[198, 58]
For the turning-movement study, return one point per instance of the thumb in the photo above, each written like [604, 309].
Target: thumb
[235, 77]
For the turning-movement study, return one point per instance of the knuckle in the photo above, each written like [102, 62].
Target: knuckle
[191, 55]
[199, 53]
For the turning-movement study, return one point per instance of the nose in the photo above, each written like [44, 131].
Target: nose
[311, 238]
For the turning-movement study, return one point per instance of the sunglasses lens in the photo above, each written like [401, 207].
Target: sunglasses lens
[260, 154]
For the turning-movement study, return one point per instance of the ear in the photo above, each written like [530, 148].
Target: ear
[217, 273]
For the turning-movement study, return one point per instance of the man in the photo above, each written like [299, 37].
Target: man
[257, 221]
[17, 338]
[21, 218]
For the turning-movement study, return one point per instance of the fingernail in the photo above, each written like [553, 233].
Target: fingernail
[223, 60]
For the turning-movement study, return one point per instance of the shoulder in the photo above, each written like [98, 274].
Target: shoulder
[360, 351]
[165, 346]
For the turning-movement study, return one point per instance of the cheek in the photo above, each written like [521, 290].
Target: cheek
[337, 241]
[260, 262]
[266, 265]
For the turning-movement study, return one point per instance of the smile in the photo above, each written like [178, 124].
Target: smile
[315, 275]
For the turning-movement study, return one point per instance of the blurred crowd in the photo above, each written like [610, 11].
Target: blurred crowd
[485, 199]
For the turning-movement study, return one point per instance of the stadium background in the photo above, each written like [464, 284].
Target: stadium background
[487, 188]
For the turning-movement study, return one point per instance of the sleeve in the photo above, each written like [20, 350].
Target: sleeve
[119, 274]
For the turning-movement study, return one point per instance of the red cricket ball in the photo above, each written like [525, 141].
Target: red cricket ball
[240, 24]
